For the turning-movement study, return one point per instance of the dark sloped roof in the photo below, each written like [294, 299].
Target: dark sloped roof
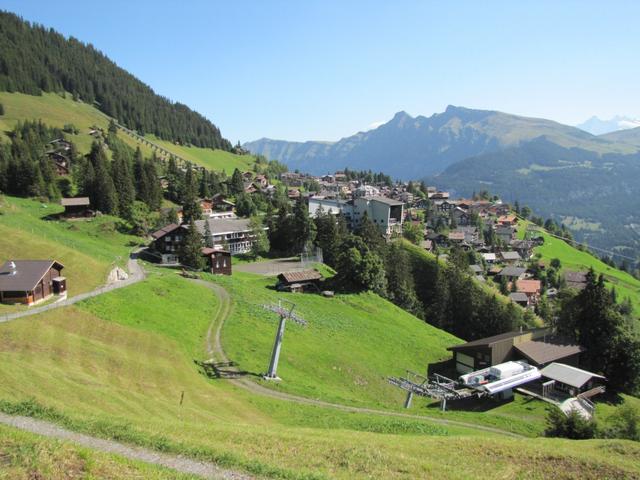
[518, 297]
[387, 200]
[512, 271]
[488, 341]
[28, 274]
[164, 231]
[550, 350]
[74, 202]
[302, 276]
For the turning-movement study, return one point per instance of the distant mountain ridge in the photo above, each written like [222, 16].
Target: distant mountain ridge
[412, 147]
[596, 126]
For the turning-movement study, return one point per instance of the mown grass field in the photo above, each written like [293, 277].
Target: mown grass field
[211, 159]
[57, 111]
[25, 456]
[87, 249]
[116, 366]
[576, 260]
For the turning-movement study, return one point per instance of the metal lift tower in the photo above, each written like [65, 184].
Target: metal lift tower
[277, 344]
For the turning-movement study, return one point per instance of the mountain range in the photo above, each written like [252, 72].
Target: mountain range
[597, 126]
[589, 182]
[413, 147]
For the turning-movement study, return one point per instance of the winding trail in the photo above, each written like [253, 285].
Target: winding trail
[216, 353]
[179, 463]
[183, 464]
[136, 274]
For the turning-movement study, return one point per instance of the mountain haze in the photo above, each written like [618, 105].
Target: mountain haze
[412, 147]
[597, 126]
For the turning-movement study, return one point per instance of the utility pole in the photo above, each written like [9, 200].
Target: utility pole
[277, 344]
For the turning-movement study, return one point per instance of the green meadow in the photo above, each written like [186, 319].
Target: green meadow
[118, 366]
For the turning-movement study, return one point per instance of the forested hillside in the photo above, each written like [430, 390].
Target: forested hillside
[34, 59]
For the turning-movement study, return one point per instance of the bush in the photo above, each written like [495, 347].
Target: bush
[624, 423]
[573, 425]
[1, 109]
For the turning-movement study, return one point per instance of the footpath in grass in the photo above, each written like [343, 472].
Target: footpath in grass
[97, 368]
[88, 249]
[28, 456]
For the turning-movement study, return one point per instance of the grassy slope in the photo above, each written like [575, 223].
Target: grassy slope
[351, 344]
[116, 366]
[57, 111]
[212, 159]
[27, 456]
[87, 249]
[573, 259]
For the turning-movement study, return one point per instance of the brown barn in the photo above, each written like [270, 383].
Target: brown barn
[219, 260]
[31, 281]
[299, 281]
[76, 207]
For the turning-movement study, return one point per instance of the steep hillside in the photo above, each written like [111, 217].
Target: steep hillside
[87, 249]
[630, 136]
[117, 367]
[596, 195]
[58, 110]
[34, 59]
[412, 147]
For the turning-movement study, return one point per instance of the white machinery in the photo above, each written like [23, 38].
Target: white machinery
[500, 377]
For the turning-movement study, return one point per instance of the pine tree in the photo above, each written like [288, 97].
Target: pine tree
[236, 186]
[191, 250]
[123, 183]
[303, 230]
[190, 205]
[208, 237]
[260, 244]
[103, 193]
[1, 109]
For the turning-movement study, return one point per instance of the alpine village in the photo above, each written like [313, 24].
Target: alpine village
[149, 267]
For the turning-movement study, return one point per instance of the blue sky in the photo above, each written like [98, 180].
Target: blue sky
[321, 70]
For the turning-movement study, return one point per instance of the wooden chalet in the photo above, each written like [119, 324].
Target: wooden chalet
[167, 241]
[219, 260]
[305, 280]
[31, 281]
[77, 207]
[219, 203]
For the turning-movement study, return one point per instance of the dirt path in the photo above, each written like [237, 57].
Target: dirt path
[216, 353]
[136, 274]
[175, 462]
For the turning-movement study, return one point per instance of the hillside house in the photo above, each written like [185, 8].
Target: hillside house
[508, 220]
[510, 258]
[513, 273]
[460, 216]
[232, 234]
[167, 241]
[575, 280]
[31, 281]
[218, 260]
[385, 213]
[206, 206]
[219, 203]
[301, 281]
[523, 247]
[76, 207]
[505, 233]
[531, 288]
[519, 298]
[536, 346]
[489, 258]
